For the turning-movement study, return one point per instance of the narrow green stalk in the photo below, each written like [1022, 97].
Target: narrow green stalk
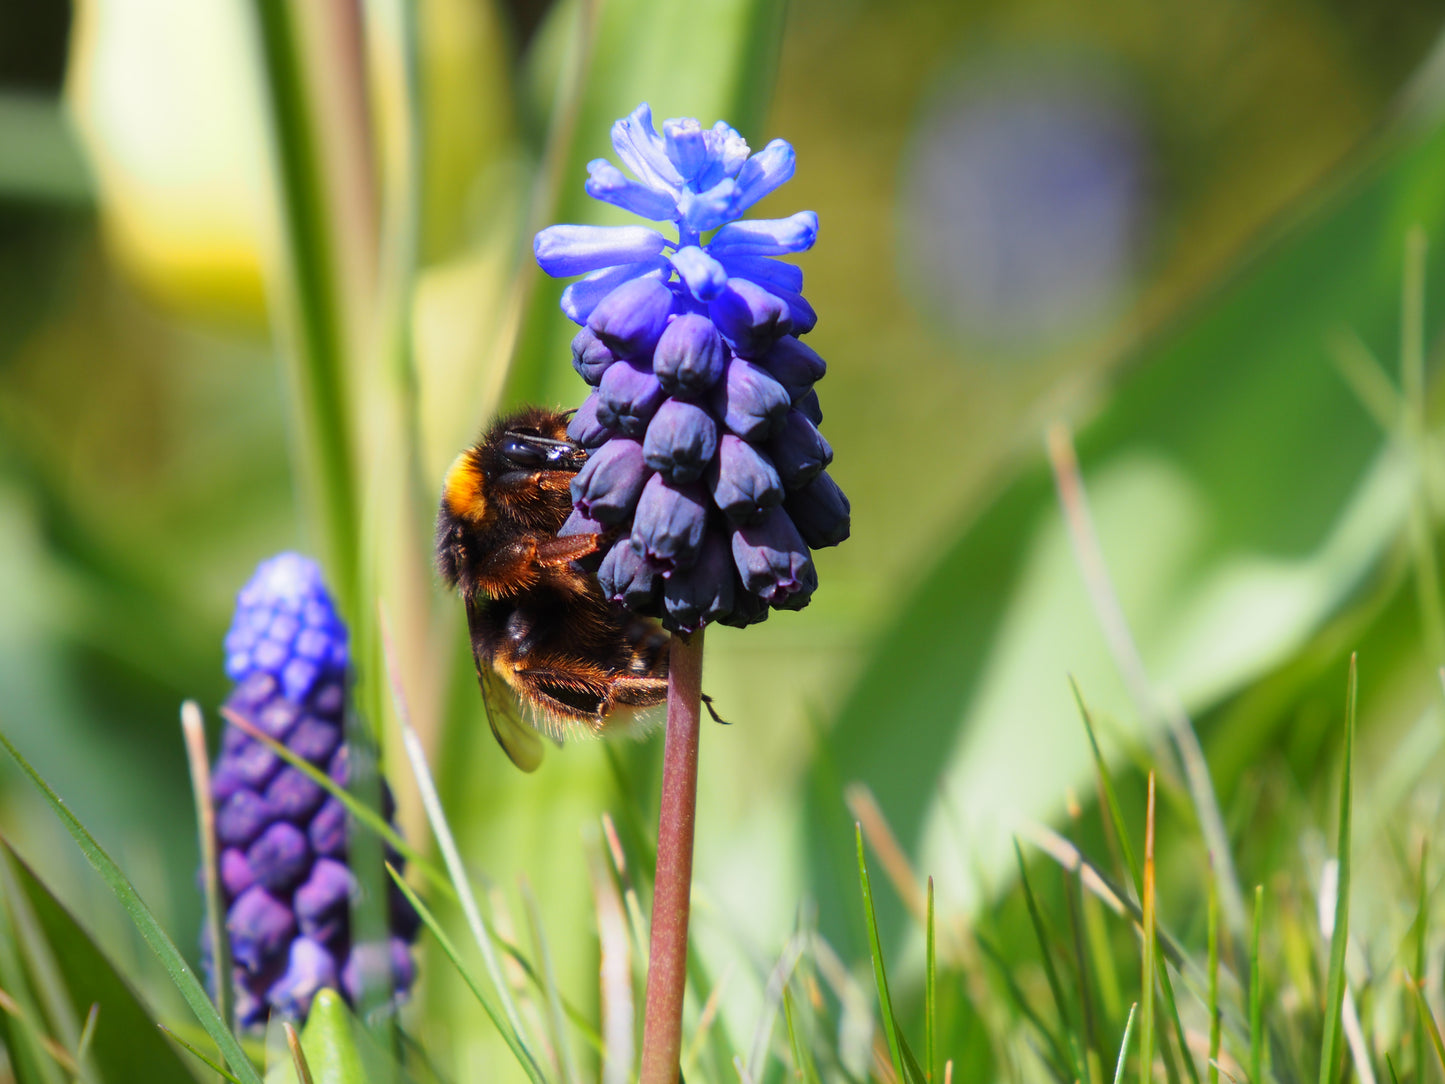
[1213, 976]
[880, 973]
[672, 885]
[1077, 1065]
[194, 730]
[1331, 1047]
[1256, 994]
[930, 994]
[306, 300]
[1124, 1045]
[1146, 986]
[1421, 917]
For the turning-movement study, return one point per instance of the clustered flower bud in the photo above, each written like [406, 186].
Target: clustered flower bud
[285, 880]
[708, 474]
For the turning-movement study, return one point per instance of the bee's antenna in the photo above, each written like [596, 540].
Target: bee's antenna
[532, 438]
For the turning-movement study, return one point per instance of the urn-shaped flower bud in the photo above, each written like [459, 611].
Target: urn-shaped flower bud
[690, 356]
[590, 356]
[670, 523]
[609, 483]
[743, 483]
[799, 451]
[773, 559]
[584, 427]
[626, 577]
[821, 512]
[750, 317]
[631, 318]
[628, 396]
[692, 597]
[681, 441]
[752, 404]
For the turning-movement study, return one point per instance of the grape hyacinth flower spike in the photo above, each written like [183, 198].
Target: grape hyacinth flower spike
[707, 461]
[707, 476]
[282, 838]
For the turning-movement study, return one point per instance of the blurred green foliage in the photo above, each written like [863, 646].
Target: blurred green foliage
[1254, 516]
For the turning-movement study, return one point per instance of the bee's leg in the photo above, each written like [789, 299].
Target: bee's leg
[638, 692]
[707, 703]
[573, 547]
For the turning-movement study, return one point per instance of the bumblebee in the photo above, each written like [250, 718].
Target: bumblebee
[538, 620]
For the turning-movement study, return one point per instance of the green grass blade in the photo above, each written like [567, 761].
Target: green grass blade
[523, 1056]
[193, 728]
[197, 1054]
[1390, 1065]
[1427, 1022]
[555, 1019]
[146, 924]
[880, 976]
[1055, 1056]
[1421, 918]
[1146, 986]
[1213, 1003]
[1331, 1046]
[930, 994]
[1056, 988]
[446, 842]
[805, 1068]
[1111, 796]
[316, 363]
[1124, 1045]
[1256, 994]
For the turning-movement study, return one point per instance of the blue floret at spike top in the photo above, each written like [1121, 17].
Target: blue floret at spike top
[282, 837]
[708, 475]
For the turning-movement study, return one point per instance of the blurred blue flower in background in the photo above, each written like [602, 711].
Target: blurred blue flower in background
[707, 461]
[1025, 200]
[286, 884]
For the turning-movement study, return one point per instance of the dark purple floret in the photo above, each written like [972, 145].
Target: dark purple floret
[742, 481]
[795, 366]
[821, 512]
[799, 451]
[773, 559]
[670, 523]
[750, 317]
[590, 356]
[705, 592]
[690, 356]
[609, 483]
[628, 397]
[584, 427]
[750, 402]
[284, 839]
[632, 317]
[681, 441]
[809, 407]
[626, 577]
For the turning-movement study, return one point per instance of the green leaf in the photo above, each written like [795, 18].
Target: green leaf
[145, 922]
[1332, 1045]
[125, 1044]
[880, 973]
[1124, 1044]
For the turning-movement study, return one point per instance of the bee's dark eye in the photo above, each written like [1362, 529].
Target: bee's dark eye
[523, 453]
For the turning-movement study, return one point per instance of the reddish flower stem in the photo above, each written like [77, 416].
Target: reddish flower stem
[672, 887]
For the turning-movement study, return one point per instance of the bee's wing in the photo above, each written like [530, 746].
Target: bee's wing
[521, 743]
